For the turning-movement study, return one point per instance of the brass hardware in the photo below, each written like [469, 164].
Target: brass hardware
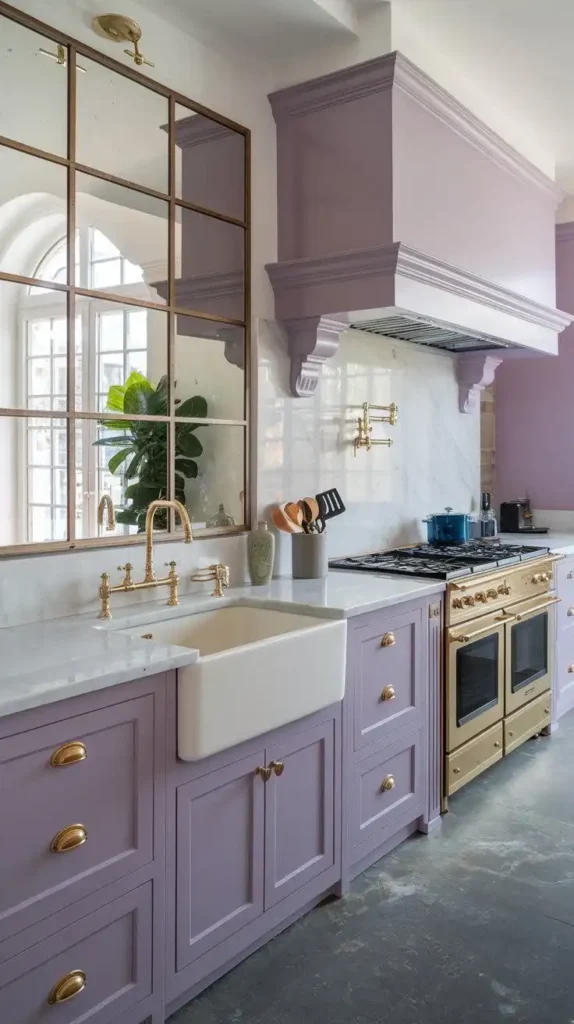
[504, 589]
[118, 28]
[457, 602]
[388, 640]
[388, 783]
[496, 743]
[127, 584]
[539, 608]
[68, 838]
[468, 602]
[264, 772]
[570, 611]
[219, 573]
[106, 505]
[278, 767]
[546, 711]
[434, 611]
[492, 594]
[480, 596]
[506, 617]
[541, 577]
[456, 771]
[147, 636]
[364, 438]
[68, 753]
[466, 637]
[388, 693]
[510, 733]
[571, 668]
[59, 56]
[67, 987]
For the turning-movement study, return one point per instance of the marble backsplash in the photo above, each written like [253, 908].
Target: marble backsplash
[306, 445]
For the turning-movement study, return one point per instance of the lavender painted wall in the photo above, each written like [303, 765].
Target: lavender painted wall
[535, 411]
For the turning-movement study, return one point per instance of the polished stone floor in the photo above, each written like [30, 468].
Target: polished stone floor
[473, 924]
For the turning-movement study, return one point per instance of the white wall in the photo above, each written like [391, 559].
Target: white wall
[306, 445]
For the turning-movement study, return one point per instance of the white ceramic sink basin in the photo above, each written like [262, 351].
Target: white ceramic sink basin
[258, 669]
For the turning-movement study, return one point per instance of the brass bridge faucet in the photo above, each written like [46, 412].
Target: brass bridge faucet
[363, 437]
[219, 573]
[127, 585]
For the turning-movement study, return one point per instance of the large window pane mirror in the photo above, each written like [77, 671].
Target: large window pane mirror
[124, 299]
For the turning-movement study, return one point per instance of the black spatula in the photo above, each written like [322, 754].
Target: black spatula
[330, 504]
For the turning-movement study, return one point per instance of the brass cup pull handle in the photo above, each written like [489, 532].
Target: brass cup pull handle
[68, 753]
[68, 838]
[388, 693]
[388, 640]
[388, 783]
[264, 772]
[278, 767]
[67, 987]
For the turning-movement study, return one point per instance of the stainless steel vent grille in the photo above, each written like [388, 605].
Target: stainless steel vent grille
[427, 332]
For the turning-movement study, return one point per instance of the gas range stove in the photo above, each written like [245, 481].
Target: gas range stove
[442, 562]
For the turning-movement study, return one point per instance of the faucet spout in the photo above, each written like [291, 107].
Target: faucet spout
[106, 504]
[149, 576]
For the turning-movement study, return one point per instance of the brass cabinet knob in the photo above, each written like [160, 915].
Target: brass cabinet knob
[492, 594]
[278, 767]
[388, 693]
[496, 743]
[68, 753]
[388, 783]
[388, 640]
[546, 711]
[456, 771]
[67, 987]
[68, 838]
[264, 772]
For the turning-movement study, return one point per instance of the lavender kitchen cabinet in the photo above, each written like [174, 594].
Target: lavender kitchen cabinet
[220, 843]
[564, 661]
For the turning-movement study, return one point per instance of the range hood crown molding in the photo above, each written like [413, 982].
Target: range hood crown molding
[395, 70]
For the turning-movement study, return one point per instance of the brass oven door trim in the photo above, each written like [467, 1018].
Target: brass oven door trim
[523, 612]
[458, 638]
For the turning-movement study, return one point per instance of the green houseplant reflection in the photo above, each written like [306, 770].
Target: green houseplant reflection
[140, 451]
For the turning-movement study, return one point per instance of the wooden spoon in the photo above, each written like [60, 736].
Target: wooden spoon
[294, 512]
[282, 522]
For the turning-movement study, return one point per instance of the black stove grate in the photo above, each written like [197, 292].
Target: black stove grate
[444, 562]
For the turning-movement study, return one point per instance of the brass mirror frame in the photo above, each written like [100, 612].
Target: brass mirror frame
[75, 49]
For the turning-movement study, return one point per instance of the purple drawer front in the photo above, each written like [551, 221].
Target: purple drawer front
[110, 794]
[387, 793]
[111, 947]
[387, 655]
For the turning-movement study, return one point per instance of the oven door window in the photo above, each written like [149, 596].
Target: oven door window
[477, 678]
[529, 651]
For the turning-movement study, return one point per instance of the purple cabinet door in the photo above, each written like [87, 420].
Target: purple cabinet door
[112, 948]
[220, 835]
[388, 655]
[109, 793]
[299, 811]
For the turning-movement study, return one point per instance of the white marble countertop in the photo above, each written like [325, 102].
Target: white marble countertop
[43, 662]
[561, 543]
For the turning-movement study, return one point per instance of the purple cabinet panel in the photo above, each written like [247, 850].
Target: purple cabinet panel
[110, 793]
[111, 947]
[299, 811]
[220, 836]
[388, 655]
[387, 792]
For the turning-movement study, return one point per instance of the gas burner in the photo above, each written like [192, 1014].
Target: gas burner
[440, 562]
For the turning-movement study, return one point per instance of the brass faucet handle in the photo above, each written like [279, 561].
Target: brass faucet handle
[171, 566]
[127, 569]
[221, 579]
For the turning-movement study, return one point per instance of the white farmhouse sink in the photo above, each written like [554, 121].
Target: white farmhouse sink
[258, 669]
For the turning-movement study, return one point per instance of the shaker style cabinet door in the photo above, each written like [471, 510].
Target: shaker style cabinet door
[220, 836]
[299, 811]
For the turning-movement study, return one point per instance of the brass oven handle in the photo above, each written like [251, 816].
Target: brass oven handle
[538, 608]
[68, 753]
[67, 987]
[68, 838]
[463, 639]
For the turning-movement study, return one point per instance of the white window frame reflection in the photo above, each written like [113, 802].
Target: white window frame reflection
[42, 304]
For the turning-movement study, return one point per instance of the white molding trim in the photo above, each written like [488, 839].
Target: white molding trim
[311, 342]
[394, 69]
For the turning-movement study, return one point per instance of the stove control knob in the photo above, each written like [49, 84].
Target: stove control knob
[492, 594]
[468, 602]
[457, 602]
[480, 596]
[504, 589]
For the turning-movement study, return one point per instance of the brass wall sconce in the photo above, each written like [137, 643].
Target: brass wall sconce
[364, 438]
[59, 57]
[119, 28]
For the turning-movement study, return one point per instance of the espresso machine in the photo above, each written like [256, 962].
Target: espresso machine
[516, 517]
